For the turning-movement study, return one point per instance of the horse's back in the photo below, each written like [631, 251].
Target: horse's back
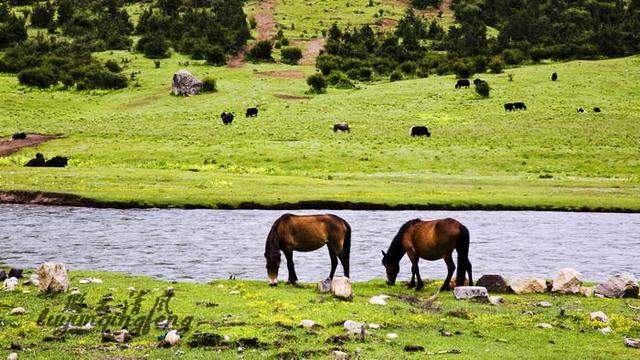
[433, 238]
[310, 232]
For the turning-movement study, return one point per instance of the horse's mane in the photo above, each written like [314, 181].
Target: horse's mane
[396, 250]
[271, 247]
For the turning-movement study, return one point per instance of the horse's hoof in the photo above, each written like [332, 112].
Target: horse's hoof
[445, 288]
[419, 287]
[273, 284]
[292, 283]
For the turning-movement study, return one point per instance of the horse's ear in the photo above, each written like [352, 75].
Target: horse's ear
[383, 253]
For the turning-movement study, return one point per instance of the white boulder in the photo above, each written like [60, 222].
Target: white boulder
[185, 84]
[53, 277]
[341, 287]
[617, 286]
[568, 281]
[599, 316]
[528, 285]
[471, 292]
[10, 284]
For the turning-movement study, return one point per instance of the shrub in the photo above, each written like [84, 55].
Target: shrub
[408, 67]
[340, 80]
[395, 76]
[42, 77]
[113, 66]
[260, 52]
[42, 15]
[482, 88]
[423, 4]
[215, 56]
[513, 56]
[318, 83]
[95, 77]
[496, 64]
[364, 74]
[328, 63]
[291, 55]
[463, 69]
[209, 85]
[12, 31]
[153, 46]
[422, 72]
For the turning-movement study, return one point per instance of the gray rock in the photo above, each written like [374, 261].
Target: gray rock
[494, 284]
[528, 285]
[341, 287]
[496, 300]
[324, 286]
[172, 338]
[340, 355]
[544, 326]
[53, 277]
[307, 324]
[12, 356]
[471, 292]
[619, 285]
[544, 304]
[586, 291]
[392, 336]
[599, 316]
[379, 299]
[632, 343]
[355, 327]
[10, 284]
[18, 311]
[568, 281]
[185, 84]
[606, 331]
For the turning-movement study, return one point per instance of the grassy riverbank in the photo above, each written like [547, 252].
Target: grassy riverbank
[244, 310]
[140, 144]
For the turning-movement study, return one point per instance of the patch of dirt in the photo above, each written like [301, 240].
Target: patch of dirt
[387, 23]
[286, 74]
[8, 147]
[445, 7]
[291, 97]
[141, 102]
[310, 49]
[265, 27]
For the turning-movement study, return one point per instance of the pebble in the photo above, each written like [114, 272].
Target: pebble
[10, 284]
[544, 304]
[307, 324]
[374, 326]
[341, 355]
[496, 300]
[392, 336]
[599, 316]
[12, 356]
[606, 331]
[544, 326]
[91, 281]
[131, 288]
[234, 292]
[354, 327]
[172, 337]
[18, 311]
[379, 300]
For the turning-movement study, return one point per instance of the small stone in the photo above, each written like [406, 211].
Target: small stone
[341, 287]
[544, 304]
[374, 326]
[379, 300]
[568, 281]
[26, 291]
[599, 316]
[169, 291]
[632, 343]
[131, 288]
[12, 356]
[340, 355]
[544, 326]
[586, 291]
[392, 336]
[528, 285]
[471, 292]
[496, 300]
[494, 284]
[10, 284]
[172, 338]
[75, 292]
[606, 331]
[164, 324]
[307, 324]
[34, 280]
[18, 311]
[220, 286]
[618, 286]
[91, 281]
[354, 327]
[234, 292]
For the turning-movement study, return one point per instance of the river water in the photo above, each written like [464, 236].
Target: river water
[202, 245]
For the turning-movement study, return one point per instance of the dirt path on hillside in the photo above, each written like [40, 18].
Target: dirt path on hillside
[310, 49]
[265, 28]
[8, 147]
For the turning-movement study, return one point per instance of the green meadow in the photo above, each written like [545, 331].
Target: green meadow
[262, 322]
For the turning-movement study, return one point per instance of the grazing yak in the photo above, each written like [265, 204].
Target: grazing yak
[227, 118]
[597, 109]
[344, 127]
[515, 106]
[463, 83]
[554, 77]
[477, 81]
[19, 136]
[56, 161]
[252, 112]
[581, 110]
[37, 161]
[420, 131]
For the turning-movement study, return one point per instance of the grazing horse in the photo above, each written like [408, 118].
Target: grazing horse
[429, 240]
[307, 233]
[344, 127]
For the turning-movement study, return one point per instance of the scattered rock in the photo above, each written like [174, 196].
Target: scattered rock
[496, 300]
[120, 336]
[374, 326]
[324, 286]
[544, 304]
[586, 291]
[632, 343]
[308, 324]
[53, 277]
[494, 284]
[619, 285]
[599, 316]
[185, 84]
[131, 289]
[413, 348]
[341, 287]
[379, 300]
[528, 285]
[568, 281]
[172, 338]
[544, 326]
[18, 311]
[10, 284]
[234, 292]
[355, 327]
[392, 336]
[340, 355]
[34, 280]
[606, 331]
[91, 281]
[169, 291]
[164, 324]
[15, 272]
[471, 292]
[12, 356]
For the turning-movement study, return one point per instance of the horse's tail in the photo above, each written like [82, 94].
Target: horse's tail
[271, 247]
[464, 264]
[346, 246]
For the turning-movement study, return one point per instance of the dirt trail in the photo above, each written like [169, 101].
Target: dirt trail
[265, 27]
[8, 147]
[310, 49]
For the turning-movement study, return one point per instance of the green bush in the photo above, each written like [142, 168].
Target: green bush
[209, 85]
[291, 55]
[12, 31]
[496, 65]
[260, 52]
[113, 66]
[463, 68]
[42, 15]
[41, 77]
[340, 80]
[423, 72]
[482, 88]
[318, 83]
[153, 46]
[408, 67]
[95, 77]
[513, 56]
[215, 56]
[396, 75]
[328, 63]
[423, 4]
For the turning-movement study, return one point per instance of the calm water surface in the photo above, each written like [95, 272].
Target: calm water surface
[201, 245]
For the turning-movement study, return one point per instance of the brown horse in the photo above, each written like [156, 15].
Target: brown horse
[307, 233]
[429, 240]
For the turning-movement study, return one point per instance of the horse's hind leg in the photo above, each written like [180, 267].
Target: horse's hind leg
[451, 267]
[469, 272]
[334, 263]
[293, 279]
[344, 259]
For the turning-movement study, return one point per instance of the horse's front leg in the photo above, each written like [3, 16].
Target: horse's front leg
[451, 267]
[415, 269]
[293, 279]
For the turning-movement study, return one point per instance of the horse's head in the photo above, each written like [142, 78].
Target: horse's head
[273, 265]
[392, 268]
